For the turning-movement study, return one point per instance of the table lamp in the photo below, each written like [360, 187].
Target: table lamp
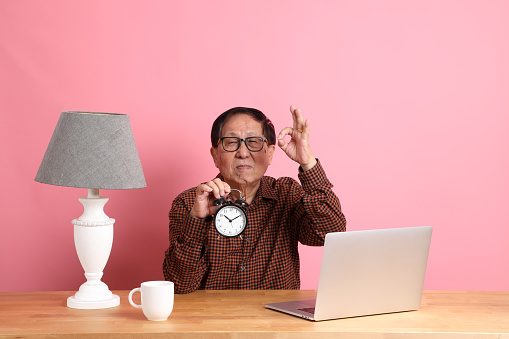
[95, 151]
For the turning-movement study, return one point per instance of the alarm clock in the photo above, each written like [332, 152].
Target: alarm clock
[230, 219]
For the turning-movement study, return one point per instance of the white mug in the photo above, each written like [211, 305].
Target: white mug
[156, 299]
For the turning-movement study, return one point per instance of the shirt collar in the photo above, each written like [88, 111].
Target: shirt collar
[265, 189]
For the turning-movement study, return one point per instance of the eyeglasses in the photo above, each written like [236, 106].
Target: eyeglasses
[231, 144]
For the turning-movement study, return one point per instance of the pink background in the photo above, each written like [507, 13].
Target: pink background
[408, 102]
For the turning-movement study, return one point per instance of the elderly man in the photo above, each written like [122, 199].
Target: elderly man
[281, 212]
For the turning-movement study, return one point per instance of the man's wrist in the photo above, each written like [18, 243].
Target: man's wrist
[309, 165]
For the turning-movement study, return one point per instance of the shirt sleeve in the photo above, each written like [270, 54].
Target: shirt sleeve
[319, 211]
[184, 262]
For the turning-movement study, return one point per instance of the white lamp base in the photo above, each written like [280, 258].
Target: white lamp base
[114, 301]
[93, 237]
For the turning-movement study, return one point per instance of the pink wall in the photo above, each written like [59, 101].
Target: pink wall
[408, 101]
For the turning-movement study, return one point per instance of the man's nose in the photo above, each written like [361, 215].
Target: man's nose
[243, 151]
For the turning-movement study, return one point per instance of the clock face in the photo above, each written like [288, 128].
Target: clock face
[230, 220]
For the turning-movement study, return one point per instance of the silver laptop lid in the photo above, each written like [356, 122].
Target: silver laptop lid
[372, 272]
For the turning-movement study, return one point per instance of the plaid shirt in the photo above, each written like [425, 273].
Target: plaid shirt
[266, 255]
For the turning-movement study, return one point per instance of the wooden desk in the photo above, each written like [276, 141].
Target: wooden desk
[241, 314]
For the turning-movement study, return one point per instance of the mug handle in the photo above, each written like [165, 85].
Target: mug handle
[133, 304]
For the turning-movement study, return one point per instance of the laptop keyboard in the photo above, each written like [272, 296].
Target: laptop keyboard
[308, 310]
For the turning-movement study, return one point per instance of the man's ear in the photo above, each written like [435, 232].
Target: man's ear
[271, 149]
[213, 152]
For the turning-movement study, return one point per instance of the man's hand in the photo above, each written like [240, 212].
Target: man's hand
[205, 196]
[297, 148]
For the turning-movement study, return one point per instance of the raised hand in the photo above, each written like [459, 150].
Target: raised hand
[297, 148]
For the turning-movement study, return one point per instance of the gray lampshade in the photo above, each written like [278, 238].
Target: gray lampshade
[92, 150]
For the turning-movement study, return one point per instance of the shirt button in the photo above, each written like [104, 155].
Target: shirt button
[242, 268]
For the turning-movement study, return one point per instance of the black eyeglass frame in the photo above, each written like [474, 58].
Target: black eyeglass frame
[240, 141]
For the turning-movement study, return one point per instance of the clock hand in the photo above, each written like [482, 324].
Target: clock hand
[228, 219]
[234, 218]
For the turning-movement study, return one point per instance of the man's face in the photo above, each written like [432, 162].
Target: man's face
[242, 167]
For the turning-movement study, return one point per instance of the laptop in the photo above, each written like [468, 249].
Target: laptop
[366, 273]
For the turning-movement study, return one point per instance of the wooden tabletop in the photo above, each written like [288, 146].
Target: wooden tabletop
[241, 314]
